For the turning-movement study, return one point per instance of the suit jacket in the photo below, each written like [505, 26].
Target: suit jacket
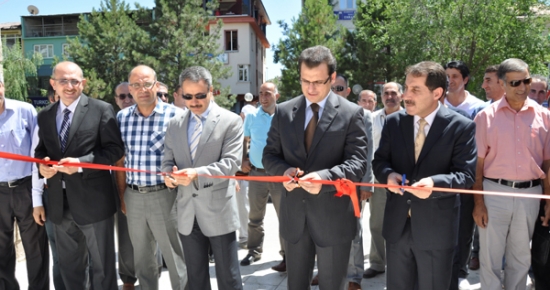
[338, 150]
[211, 200]
[448, 156]
[369, 175]
[94, 137]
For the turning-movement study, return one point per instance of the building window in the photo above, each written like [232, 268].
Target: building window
[231, 40]
[11, 40]
[243, 73]
[46, 50]
[66, 50]
[348, 5]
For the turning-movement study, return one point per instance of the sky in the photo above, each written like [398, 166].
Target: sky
[11, 10]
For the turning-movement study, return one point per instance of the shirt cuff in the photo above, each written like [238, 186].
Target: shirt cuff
[36, 198]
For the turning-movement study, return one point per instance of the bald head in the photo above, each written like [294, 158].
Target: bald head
[143, 69]
[68, 65]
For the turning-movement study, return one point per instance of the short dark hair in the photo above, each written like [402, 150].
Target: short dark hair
[196, 74]
[434, 73]
[511, 65]
[460, 66]
[315, 56]
[492, 69]
[344, 78]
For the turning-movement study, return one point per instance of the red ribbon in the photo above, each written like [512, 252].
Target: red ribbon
[344, 187]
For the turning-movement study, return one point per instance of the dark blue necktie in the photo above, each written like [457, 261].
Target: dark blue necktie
[64, 133]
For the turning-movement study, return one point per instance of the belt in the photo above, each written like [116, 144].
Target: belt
[14, 183]
[146, 189]
[257, 169]
[516, 184]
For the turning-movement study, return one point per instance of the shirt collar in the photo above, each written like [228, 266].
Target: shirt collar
[71, 107]
[430, 118]
[527, 104]
[321, 103]
[160, 107]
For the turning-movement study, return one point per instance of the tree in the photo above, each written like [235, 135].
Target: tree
[19, 71]
[184, 34]
[106, 46]
[316, 25]
[478, 32]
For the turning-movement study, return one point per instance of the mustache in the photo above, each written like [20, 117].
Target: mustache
[390, 101]
[409, 102]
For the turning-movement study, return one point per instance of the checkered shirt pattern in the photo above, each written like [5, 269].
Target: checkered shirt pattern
[144, 141]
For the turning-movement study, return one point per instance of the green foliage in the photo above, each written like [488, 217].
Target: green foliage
[184, 34]
[316, 25]
[20, 72]
[395, 34]
[106, 47]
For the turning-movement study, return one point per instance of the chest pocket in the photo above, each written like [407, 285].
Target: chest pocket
[17, 137]
[156, 142]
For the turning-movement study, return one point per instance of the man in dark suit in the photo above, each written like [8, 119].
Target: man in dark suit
[82, 202]
[434, 147]
[322, 136]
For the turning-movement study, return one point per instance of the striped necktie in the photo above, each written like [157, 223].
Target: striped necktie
[195, 138]
[420, 138]
[64, 133]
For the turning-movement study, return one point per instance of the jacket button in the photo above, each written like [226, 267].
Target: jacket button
[303, 200]
[194, 195]
[408, 201]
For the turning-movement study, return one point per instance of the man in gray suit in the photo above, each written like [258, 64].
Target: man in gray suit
[205, 140]
[322, 136]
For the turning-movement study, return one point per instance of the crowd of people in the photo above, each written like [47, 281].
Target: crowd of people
[167, 211]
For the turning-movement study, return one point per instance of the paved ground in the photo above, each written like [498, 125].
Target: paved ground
[259, 275]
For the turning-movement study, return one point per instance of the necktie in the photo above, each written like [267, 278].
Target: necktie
[310, 129]
[420, 138]
[195, 138]
[65, 126]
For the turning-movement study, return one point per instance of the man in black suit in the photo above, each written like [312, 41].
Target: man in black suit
[434, 147]
[82, 202]
[322, 137]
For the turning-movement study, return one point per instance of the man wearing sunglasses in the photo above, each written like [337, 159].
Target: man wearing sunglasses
[513, 156]
[123, 98]
[162, 92]
[148, 204]
[205, 140]
[316, 136]
[179, 101]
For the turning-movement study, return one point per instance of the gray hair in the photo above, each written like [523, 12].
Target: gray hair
[368, 92]
[196, 74]
[511, 65]
[540, 79]
[161, 84]
[121, 84]
[398, 85]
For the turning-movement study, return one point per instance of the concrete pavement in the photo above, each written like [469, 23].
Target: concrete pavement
[259, 275]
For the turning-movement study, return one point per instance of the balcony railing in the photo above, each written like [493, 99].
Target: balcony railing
[50, 30]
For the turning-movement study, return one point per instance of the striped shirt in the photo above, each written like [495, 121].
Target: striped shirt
[144, 141]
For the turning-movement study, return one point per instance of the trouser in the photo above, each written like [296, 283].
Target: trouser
[48, 225]
[152, 219]
[356, 264]
[464, 244]
[224, 247]
[16, 204]
[244, 208]
[377, 206]
[510, 226]
[540, 253]
[258, 194]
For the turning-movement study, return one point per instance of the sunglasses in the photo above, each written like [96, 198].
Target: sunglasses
[526, 81]
[160, 95]
[337, 88]
[197, 96]
[123, 96]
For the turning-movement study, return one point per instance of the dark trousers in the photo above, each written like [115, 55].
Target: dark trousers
[56, 272]
[77, 245]
[540, 254]
[16, 205]
[224, 247]
[463, 248]
[332, 263]
[409, 267]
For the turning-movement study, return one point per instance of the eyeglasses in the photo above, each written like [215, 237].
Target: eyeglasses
[123, 96]
[146, 85]
[337, 88]
[526, 81]
[65, 82]
[160, 95]
[315, 84]
[197, 96]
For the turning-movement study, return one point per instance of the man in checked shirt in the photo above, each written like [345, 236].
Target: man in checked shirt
[148, 204]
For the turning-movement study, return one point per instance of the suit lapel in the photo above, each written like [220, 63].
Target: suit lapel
[51, 122]
[407, 129]
[436, 130]
[299, 119]
[209, 125]
[329, 113]
[79, 113]
[184, 140]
